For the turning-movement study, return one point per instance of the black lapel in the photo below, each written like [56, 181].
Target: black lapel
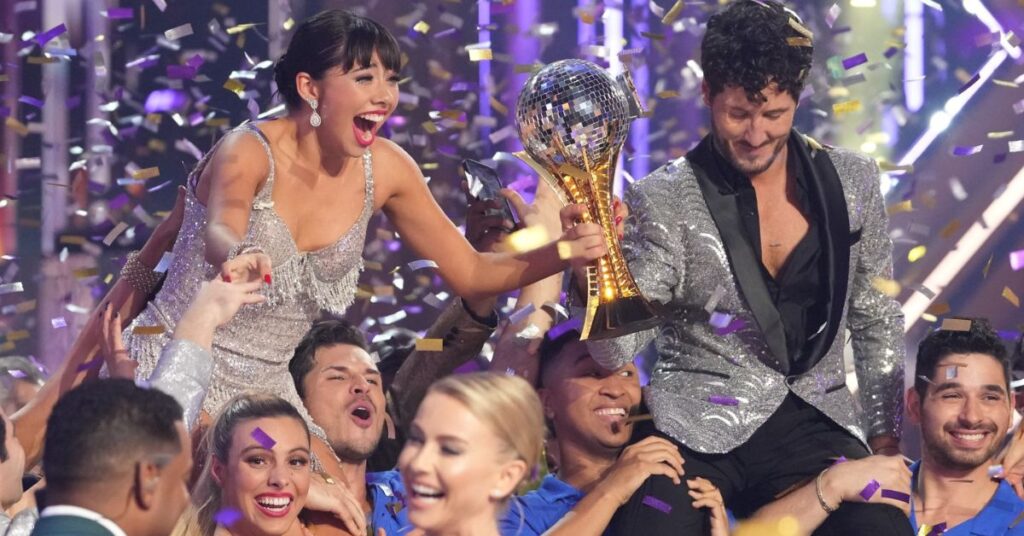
[827, 193]
[746, 264]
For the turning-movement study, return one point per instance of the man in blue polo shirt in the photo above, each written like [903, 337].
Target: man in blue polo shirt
[962, 400]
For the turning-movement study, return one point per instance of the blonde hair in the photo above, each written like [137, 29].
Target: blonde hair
[199, 518]
[507, 404]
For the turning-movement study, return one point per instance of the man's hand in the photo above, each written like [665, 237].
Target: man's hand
[844, 482]
[119, 363]
[335, 498]
[1013, 462]
[706, 495]
[651, 456]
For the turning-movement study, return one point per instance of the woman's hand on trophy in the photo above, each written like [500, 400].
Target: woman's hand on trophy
[620, 212]
[581, 242]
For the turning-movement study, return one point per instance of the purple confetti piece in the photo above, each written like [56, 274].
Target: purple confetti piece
[995, 471]
[869, 490]
[657, 504]
[120, 13]
[195, 62]
[895, 495]
[736, 325]
[263, 439]
[180, 72]
[25, 99]
[561, 329]
[951, 372]
[890, 52]
[46, 36]
[19, 374]
[937, 529]
[1017, 260]
[966, 150]
[853, 61]
[974, 79]
[89, 365]
[720, 320]
[723, 400]
[228, 516]
[166, 100]
[840, 459]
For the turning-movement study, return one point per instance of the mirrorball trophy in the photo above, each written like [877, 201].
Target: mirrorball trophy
[572, 118]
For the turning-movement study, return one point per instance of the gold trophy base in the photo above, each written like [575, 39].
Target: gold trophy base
[620, 317]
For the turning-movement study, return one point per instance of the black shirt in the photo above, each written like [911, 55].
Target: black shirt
[798, 290]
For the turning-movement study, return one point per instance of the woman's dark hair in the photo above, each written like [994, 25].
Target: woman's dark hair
[333, 38]
[748, 45]
[980, 339]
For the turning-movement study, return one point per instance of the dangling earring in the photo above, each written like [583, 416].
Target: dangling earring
[314, 120]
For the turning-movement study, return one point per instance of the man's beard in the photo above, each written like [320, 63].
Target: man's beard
[354, 453]
[726, 151]
[947, 455]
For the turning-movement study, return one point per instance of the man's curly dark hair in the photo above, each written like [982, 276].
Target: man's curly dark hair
[979, 339]
[746, 45]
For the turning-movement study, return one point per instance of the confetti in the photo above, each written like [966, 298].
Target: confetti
[799, 42]
[800, 28]
[480, 54]
[119, 13]
[902, 206]
[263, 438]
[657, 504]
[832, 14]
[1011, 296]
[178, 32]
[1016, 146]
[89, 365]
[955, 324]
[48, 35]
[421, 27]
[895, 495]
[421, 264]
[720, 320]
[429, 345]
[916, 253]
[974, 79]
[966, 150]
[148, 330]
[716, 297]
[995, 471]
[114, 233]
[840, 108]
[521, 314]
[240, 28]
[853, 61]
[1017, 260]
[227, 516]
[938, 529]
[951, 372]
[10, 288]
[392, 318]
[673, 12]
[573, 324]
[736, 325]
[146, 173]
[165, 262]
[58, 322]
[869, 490]
[723, 400]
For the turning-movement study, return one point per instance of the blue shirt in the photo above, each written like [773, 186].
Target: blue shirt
[387, 499]
[537, 511]
[1001, 511]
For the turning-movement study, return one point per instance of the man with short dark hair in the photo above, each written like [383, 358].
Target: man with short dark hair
[117, 460]
[764, 247]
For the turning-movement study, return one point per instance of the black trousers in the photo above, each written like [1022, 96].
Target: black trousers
[795, 444]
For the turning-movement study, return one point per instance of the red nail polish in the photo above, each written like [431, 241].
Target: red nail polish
[227, 279]
[266, 279]
[618, 220]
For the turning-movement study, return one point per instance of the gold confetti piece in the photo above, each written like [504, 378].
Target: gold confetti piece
[235, 87]
[886, 286]
[72, 240]
[654, 36]
[1005, 83]
[6, 347]
[528, 238]
[984, 271]
[41, 60]
[480, 54]
[18, 335]
[373, 265]
[108, 279]
[955, 325]
[146, 173]
[113, 234]
[429, 345]
[421, 27]
[800, 28]
[148, 330]
[427, 166]
[999, 135]
[240, 28]
[938, 309]
[83, 273]
[25, 306]
[288, 24]
[17, 126]
[1011, 296]
[673, 12]
[667, 94]
[916, 253]
[886, 166]
[902, 206]
[430, 127]
[498, 106]
[949, 229]
[799, 42]
[928, 317]
[840, 108]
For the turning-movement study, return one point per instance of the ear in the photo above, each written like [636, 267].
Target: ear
[147, 480]
[217, 471]
[913, 405]
[512, 473]
[544, 395]
[306, 86]
[705, 93]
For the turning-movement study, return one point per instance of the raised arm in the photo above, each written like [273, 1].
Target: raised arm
[876, 324]
[472, 275]
[228, 186]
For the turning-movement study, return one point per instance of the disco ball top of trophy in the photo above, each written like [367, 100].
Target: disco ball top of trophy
[569, 110]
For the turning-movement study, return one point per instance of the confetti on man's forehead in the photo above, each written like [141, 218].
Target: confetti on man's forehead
[263, 438]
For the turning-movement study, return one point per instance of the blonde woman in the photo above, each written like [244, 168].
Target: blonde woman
[474, 440]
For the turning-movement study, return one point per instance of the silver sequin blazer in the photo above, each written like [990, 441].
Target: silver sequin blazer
[675, 252]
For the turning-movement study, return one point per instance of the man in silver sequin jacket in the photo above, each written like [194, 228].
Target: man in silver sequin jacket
[764, 247]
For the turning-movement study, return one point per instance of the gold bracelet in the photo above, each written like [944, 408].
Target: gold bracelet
[142, 278]
[821, 497]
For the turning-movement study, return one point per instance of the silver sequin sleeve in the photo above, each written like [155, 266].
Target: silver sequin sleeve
[875, 320]
[653, 258]
[184, 371]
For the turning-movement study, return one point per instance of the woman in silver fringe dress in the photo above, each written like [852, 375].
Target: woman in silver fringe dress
[288, 201]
